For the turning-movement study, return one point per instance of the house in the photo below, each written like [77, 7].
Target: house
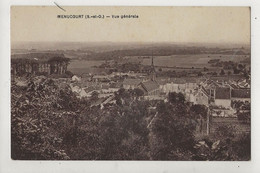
[190, 86]
[98, 102]
[21, 82]
[116, 85]
[75, 89]
[173, 85]
[186, 86]
[100, 78]
[168, 87]
[110, 100]
[241, 95]
[202, 97]
[162, 84]
[210, 86]
[190, 83]
[82, 93]
[243, 83]
[234, 86]
[198, 96]
[76, 78]
[150, 88]
[89, 90]
[109, 90]
[179, 85]
[223, 97]
[131, 83]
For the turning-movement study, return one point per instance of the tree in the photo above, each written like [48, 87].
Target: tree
[176, 97]
[171, 136]
[222, 72]
[49, 122]
[199, 110]
[214, 73]
[244, 116]
[94, 95]
[172, 96]
[122, 96]
[225, 144]
[137, 92]
[181, 97]
[69, 73]
[205, 69]
[123, 133]
[236, 71]
[35, 112]
[240, 66]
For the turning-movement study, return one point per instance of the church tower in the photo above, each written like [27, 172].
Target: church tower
[153, 70]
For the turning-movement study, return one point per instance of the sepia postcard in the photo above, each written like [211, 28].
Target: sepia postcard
[130, 83]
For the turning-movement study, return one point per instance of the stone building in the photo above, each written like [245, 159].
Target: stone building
[150, 88]
[38, 63]
[131, 83]
[223, 97]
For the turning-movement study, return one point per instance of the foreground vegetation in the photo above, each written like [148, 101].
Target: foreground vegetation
[49, 122]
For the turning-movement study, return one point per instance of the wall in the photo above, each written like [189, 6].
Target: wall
[242, 99]
[21, 67]
[202, 99]
[226, 103]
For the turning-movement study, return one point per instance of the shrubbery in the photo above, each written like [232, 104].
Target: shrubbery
[49, 122]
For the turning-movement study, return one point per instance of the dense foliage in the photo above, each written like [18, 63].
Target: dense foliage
[50, 122]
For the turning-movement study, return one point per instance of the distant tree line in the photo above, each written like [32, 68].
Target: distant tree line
[158, 51]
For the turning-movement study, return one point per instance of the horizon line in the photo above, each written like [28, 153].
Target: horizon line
[147, 42]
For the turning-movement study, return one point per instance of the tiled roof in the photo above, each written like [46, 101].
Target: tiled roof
[206, 91]
[100, 77]
[240, 93]
[98, 101]
[222, 93]
[92, 88]
[89, 89]
[131, 81]
[150, 85]
[178, 81]
[116, 85]
[162, 81]
[234, 86]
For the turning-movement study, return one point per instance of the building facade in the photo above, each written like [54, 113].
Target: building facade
[39, 63]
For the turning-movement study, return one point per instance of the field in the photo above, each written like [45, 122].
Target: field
[184, 61]
[196, 61]
[82, 66]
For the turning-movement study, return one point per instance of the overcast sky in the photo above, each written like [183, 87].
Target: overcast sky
[155, 24]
